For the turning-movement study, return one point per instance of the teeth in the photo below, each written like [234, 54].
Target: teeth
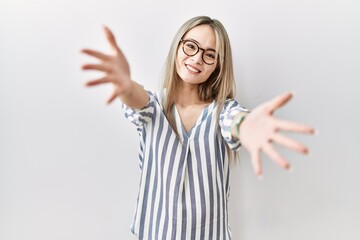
[192, 69]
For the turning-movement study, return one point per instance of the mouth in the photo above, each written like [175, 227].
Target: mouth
[192, 69]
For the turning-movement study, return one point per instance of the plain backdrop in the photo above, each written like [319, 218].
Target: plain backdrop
[68, 162]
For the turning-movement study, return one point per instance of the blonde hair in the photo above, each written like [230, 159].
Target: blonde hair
[219, 86]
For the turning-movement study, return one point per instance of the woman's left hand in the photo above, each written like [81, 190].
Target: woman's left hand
[260, 128]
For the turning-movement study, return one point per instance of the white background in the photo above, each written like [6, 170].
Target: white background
[68, 162]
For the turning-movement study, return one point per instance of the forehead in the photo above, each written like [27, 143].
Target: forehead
[204, 35]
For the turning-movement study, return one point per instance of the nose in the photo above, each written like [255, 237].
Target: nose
[197, 58]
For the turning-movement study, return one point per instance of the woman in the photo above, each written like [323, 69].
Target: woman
[190, 131]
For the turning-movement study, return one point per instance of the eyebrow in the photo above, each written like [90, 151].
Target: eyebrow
[200, 44]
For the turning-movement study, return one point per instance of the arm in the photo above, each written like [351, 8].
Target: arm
[117, 72]
[259, 129]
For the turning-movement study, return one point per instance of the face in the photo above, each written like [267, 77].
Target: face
[193, 69]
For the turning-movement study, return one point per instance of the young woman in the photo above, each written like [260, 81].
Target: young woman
[189, 132]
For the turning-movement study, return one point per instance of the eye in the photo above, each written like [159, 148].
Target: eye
[190, 45]
[211, 55]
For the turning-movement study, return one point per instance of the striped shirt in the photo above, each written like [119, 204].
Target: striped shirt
[184, 185]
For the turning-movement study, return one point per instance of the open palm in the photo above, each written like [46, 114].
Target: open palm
[260, 129]
[115, 67]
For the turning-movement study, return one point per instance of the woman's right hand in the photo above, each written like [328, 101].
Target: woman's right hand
[115, 66]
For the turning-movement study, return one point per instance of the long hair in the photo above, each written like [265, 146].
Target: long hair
[219, 86]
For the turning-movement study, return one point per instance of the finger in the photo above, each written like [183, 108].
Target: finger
[99, 67]
[293, 127]
[112, 98]
[289, 143]
[111, 38]
[256, 163]
[98, 81]
[279, 101]
[274, 155]
[96, 54]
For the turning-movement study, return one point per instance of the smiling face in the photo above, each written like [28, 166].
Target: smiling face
[193, 69]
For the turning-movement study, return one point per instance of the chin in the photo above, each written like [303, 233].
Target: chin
[191, 79]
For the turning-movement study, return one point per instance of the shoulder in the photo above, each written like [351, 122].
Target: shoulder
[229, 103]
[231, 107]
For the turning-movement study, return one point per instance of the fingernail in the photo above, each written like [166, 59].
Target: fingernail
[316, 132]
[290, 169]
[260, 177]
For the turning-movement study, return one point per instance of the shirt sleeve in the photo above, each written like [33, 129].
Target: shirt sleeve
[141, 117]
[230, 110]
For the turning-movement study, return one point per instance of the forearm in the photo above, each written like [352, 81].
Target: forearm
[135, 96]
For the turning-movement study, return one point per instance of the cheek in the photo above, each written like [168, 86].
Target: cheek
[180, 56]
[209, 71]
[180, 59]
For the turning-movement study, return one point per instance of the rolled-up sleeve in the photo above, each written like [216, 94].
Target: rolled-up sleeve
[230, 110]
[140, 117]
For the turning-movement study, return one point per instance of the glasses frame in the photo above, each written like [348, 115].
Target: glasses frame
[198, 49]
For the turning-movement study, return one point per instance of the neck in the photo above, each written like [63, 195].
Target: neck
[187, 94]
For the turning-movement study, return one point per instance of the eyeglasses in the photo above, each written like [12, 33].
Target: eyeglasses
[191, 48]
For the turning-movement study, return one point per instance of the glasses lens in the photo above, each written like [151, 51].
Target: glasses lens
[209, 56]
[190, 48]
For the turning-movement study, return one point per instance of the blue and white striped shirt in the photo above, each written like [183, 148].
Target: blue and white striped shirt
[184, 185]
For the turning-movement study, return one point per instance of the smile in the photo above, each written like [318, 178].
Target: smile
[192, 69]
